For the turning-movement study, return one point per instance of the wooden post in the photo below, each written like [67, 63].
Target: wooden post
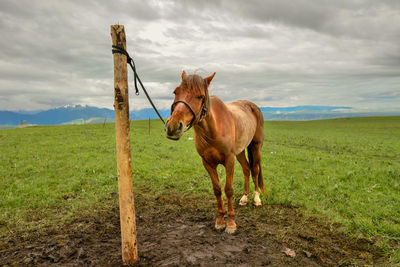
[125, 187]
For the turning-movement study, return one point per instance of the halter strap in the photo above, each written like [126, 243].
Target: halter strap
[202, 113]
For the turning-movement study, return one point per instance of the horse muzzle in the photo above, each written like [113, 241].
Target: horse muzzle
[174, 131]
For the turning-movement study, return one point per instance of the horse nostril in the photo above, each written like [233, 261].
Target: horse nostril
[180, 125]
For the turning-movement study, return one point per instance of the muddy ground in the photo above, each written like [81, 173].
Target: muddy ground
[177, 230]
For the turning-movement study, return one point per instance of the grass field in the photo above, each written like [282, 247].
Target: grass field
[342, 170]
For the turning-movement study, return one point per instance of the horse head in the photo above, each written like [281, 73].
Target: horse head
[190, 106]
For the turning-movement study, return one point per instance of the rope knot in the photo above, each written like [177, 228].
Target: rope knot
[129, 60]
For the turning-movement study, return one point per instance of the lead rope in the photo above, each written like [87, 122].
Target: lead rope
[131, 63]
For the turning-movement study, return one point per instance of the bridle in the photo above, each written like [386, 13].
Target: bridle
[201, 115]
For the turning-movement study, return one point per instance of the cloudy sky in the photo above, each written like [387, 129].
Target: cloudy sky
[274, 53]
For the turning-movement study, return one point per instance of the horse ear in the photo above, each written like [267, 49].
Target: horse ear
[183, 75]
[209, 78]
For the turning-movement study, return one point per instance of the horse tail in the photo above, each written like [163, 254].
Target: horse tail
[260, 175]
[261, 182]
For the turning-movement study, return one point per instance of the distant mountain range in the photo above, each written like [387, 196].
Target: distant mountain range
[86, 114]
[76, 114]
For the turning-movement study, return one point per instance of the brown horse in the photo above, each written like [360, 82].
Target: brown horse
[222, 131]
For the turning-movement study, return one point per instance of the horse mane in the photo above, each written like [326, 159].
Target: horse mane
[195, 83]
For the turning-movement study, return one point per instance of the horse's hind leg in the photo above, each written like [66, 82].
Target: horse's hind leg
[254, 152]
[246, 172]
[212, 171]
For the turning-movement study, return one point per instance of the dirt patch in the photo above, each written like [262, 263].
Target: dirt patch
[178, 231]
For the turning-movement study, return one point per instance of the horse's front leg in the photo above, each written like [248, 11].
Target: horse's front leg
[212, 171]
[229, 166]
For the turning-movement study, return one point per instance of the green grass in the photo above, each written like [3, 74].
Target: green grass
[347, 170]
[4, 127]
[89, 121]
[49, 173]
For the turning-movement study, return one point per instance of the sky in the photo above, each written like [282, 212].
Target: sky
[274, 53]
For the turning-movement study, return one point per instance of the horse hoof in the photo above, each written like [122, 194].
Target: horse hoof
[219, 226]
[243, 201]
[257, 203]
[230, 230]
[257, 200]
[220, 222]
[230, 225]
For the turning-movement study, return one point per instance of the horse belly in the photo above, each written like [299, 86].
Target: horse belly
[245, 127]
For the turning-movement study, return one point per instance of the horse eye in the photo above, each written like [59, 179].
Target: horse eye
[200, 97]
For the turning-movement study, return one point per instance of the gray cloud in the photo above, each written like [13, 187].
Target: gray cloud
[275, 53]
